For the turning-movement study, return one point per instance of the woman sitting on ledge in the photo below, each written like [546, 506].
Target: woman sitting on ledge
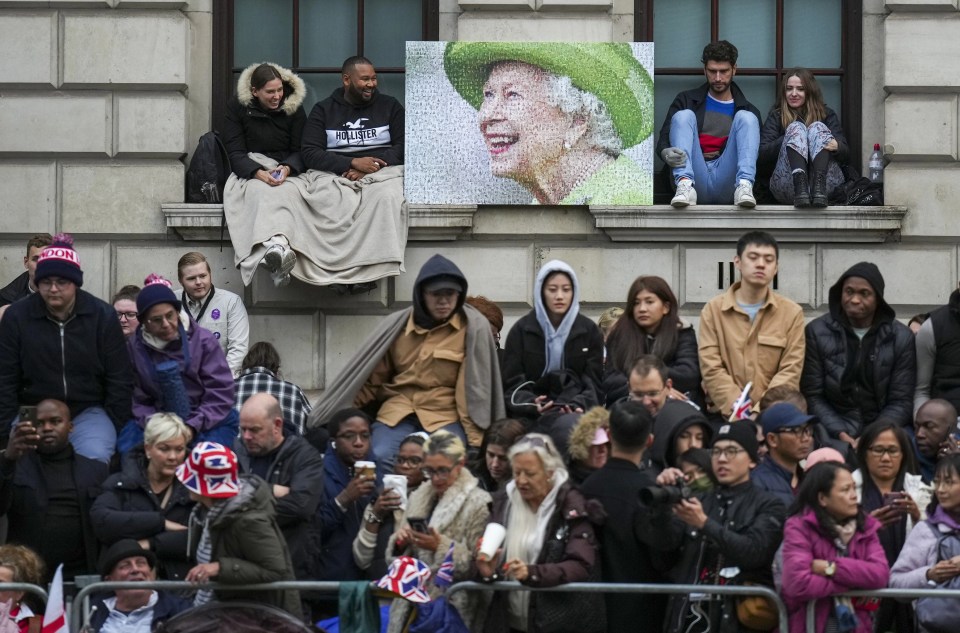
[802, 143]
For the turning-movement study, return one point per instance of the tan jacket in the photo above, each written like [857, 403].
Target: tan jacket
[733, 351]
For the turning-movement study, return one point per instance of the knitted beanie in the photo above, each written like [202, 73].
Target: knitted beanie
[60, 260]
[156, 290]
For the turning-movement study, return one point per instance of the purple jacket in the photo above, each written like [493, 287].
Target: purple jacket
[208, 380]
[919, 553]
[864, 567]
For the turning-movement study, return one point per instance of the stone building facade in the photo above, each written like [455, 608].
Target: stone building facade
[102, 101]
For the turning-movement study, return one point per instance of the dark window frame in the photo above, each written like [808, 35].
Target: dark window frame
[222, 62]
[851, 61]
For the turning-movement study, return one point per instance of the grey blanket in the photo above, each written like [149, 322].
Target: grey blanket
[343, 231]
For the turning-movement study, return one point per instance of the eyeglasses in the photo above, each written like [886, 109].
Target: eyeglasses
[535, 441]
[352, 437]
[440, 473]
[129, 316]
[408, 461]
[729, 452]
[802, 431]
[158, 321]
[880, 451]
[49, 282]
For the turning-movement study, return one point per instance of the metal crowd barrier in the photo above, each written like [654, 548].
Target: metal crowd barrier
[80, 611]
[602, 587]
[881, 593]
[25, 587]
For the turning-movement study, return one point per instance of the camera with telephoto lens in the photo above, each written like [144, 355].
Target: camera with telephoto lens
[666, 495]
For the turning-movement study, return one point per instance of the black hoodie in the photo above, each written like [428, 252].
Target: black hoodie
[849, 382]
[675, 417]
[338, 131]
[436, 266]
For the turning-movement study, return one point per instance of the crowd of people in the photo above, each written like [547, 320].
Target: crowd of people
[147, 439]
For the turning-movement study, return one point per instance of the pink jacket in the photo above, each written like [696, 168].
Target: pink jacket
[864, 567]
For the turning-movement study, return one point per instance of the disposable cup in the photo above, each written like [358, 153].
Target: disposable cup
[399, 484]
[492, 540]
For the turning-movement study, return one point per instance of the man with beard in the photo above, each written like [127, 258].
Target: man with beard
[47, 489]
[711, 136]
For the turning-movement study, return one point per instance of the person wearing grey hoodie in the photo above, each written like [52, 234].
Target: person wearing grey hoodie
[553, 359]
[860, 362]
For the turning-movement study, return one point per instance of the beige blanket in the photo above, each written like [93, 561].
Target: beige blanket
[343, 231]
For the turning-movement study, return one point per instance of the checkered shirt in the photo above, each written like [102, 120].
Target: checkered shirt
[294, 404]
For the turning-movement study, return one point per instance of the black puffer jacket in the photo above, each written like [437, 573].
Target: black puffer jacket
[127, 508]
[524, 360]
[771, 138]
[744, 528]
[277, 134]
[846, 393]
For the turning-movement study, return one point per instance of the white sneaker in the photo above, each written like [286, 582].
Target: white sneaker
[743, 196]
[686, 195]
[280, 279]
[279, 260]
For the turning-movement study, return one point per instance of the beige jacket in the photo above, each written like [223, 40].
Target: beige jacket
[733, 351]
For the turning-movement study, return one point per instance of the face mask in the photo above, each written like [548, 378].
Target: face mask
[701, 484]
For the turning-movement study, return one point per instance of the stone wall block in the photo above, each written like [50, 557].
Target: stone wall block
[533, 27]
[136, 48]
[575, 5]
[930, 192]
[28, 189]
[119, 198]
[707, 273]
[56, 4]
[899, 265]
[921, 51]
[151, 4]
[133, 262]
[503, 273]
[55, 123]
[605, 274]
[921, 5]
[497, 5]
[343, 335]
[299, 341]
[921, 127]
[151, 124]
[28, 46]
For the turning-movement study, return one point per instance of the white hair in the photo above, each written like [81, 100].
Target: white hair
[163, 427]
[572, 100]
[543, 447]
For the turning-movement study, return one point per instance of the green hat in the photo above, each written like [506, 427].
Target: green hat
[608, 70]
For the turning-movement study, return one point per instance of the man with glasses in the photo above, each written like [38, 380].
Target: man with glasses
[431, 366]
[64, 343]
[789, 435]
[860, 363]
[292, 467]
[649, 384]
[179, 368]
[729, 535]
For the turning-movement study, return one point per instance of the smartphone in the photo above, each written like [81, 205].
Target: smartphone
[890, 498]
[418, 525]
[276, 174]
[28, 414]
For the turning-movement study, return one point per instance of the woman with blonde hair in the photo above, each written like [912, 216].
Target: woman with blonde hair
[19, 563]
[146, 502]
[448, 510]
[802, 143]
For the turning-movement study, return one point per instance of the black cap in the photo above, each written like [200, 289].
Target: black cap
[122, 549]
[743, 432]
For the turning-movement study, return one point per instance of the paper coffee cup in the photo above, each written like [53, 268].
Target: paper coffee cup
[492, 540]
[367, 469]
[398, 483]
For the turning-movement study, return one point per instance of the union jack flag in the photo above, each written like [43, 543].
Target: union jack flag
[742, 406]
[444, 577]
[407, 578]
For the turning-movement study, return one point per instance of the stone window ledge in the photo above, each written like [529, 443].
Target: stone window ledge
[201, 222]
[709, 223]
[702, 223]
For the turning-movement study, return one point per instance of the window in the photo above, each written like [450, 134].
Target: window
[313, 37]
[772, 36]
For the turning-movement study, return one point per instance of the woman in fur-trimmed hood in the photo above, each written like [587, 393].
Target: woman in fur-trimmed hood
[266, 116]
[589, 444]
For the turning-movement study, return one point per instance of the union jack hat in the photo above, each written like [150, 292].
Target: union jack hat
[210, 471]
[407, 578]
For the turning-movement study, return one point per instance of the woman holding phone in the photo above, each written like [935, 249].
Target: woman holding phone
[446, 514]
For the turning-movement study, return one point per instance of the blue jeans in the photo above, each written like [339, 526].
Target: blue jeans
[716, 180]
[386, 439]
[224, 433]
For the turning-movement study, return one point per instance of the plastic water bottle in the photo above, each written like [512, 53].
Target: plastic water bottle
[876, 164]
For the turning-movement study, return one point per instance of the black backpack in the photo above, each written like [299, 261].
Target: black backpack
[857, 191]
[208, 171]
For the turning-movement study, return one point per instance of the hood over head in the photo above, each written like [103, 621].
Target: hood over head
[870, 272]
[583, 434]
[436, 269]
[294, 89]
[675, 417]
